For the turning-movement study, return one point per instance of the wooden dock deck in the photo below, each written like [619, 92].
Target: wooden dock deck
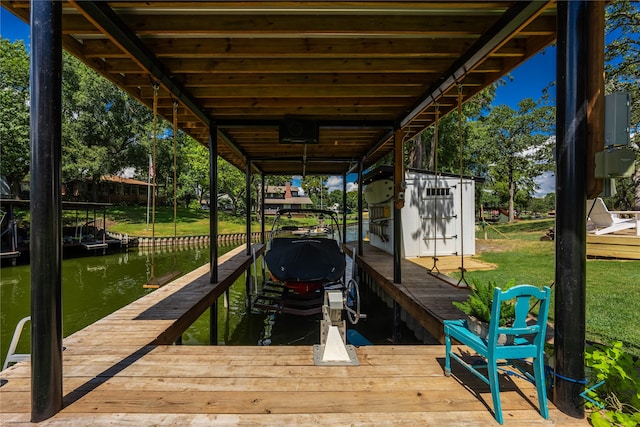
[426, 297]
[269, 386]
[121, 370]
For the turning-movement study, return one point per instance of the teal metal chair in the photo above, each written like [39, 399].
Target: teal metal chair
[524, 341]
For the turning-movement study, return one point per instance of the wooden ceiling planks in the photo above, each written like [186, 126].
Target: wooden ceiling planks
[358, 68]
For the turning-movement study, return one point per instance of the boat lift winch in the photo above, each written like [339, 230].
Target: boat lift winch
[333, 349]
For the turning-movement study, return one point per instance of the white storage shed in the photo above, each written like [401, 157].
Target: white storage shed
[438, 217]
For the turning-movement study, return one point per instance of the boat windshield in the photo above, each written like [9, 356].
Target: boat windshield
[305, 223]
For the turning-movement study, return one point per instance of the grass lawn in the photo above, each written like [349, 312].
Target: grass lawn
[613, 286]
[190, 222]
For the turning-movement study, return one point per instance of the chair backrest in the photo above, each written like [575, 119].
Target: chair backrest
[522, 296]
[598, 213]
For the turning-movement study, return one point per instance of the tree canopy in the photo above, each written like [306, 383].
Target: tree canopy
[14, 113]
[515, 147]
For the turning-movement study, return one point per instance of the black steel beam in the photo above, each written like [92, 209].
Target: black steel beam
[248, 206]
[360, 206]
[262, 216]
[213, 323]
[571, 131]
[398, 203]
[46, 209]
[344, 207]
[513, 18]
[213, 205]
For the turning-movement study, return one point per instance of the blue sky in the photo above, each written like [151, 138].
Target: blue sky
[527, 81]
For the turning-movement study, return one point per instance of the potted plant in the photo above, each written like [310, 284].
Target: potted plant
[477, 307]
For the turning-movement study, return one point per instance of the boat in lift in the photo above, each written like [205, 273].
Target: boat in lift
[304, 252]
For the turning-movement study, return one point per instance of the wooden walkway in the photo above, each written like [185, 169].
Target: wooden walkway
[424, 296]
[120, 371]
[269, 386]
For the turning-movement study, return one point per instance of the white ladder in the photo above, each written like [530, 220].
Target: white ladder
[12, 356]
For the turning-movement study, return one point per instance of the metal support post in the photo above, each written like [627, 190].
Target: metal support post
[397, 323]
[213, 324]
[344, 207]
[571, 131]
[360, 206]
[248, 205]
[398, 204]
[46, 209]
[213, 204]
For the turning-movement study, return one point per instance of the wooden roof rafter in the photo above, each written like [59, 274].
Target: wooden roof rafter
[360, 69]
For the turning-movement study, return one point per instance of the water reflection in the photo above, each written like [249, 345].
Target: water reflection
[94, 287]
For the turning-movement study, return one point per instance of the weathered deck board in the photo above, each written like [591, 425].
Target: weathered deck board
[426, 297]
[395, 385]
[622, 246]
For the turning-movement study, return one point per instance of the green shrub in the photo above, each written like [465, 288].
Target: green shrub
[619, 395]
[480, 300]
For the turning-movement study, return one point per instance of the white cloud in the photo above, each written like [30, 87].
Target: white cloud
[335, 183]
[547, 183]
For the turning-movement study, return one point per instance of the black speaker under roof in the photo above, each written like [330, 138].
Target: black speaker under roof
[299, 131]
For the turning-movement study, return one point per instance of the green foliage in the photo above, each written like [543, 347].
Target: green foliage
[231, 182]
[516, 148]
[421, 150]
[104, 129]
[14, 112]
[480, 302]
[193, 175]
[620, 393]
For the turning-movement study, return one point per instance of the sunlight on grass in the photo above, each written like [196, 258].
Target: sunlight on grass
[613, 286]
[190, 222]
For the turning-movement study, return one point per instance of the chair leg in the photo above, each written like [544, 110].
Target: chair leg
[447, 360]
[541, 386]
[492, 374]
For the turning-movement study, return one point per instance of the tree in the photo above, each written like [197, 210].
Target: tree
[421, 150]
[14, 113]
[193, 170]
[622, 74]
[104, 129]
[232, 184]
[313, 186]
[517, 147]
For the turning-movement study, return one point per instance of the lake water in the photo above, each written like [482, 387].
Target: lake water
[93, 287]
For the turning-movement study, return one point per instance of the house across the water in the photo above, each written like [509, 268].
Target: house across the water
[284, 197]
[110, 189]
